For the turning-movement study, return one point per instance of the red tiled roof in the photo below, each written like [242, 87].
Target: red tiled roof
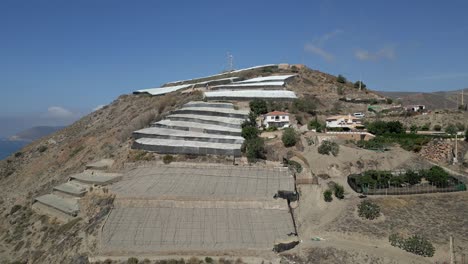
[277, 113]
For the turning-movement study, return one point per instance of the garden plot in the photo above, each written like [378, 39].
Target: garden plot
[181, 209]
[219, 183]
[159, 229]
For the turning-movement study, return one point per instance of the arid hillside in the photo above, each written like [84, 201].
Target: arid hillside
[105, 133]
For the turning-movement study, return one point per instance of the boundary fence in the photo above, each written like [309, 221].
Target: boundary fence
[421, 188]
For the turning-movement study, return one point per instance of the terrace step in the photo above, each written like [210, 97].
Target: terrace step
[212, 111]
[170, 146]
[203, 119]
[198, 127]
[208, 104]
[68, 206]
[71, 188]
[90, 177]
[174, 134]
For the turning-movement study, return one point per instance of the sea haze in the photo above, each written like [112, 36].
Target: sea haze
[7, 147]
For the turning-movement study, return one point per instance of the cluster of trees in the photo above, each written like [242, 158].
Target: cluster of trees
[384, 179]
[328, 147]
[315, 124]
[258, 107]
[254, 146]
[381, 127]
[290, 137]
[337, 189]
[341, 79]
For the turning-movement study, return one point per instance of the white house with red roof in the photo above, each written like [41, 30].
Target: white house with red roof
[277, 119]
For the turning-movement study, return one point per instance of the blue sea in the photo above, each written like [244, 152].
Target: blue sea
[8, 147]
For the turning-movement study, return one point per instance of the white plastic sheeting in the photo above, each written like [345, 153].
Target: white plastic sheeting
[255, 84]
[244, 94]
[268, 79]
[163, 90]
[221, 74]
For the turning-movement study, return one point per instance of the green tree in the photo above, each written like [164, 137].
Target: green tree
[251, 120]
[389, 100]
[412, 177]
[254, 149]
[249, 132]
[437, 176]
[451, 129]
[426, 126]
[258, 106]
[466, 135]
[315, 124]
[339, 191]
[356, 85]
[289, 137]
[437, 127]
[327, 196]
[341, 79]
[414, 129]
[328, 147]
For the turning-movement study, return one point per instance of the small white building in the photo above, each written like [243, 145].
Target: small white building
[277, 119]
[343, 121]
[415, 108]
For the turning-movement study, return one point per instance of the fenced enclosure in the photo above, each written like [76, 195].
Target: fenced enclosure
[434, 180]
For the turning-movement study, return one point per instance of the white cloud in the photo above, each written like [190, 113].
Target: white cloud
[387, 52]
[58, 112]
[316, 46]
[319, 51]
[98, 107]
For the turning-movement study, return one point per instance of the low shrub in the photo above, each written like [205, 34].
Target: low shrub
[15, 208]
[209, 260]
[18, 154]
[132, 261]
[414, 244]
[42, 148]
[293, 164]
[368, 210]
[339, 191]
[327, 196]
[167, 159]
[328, 147]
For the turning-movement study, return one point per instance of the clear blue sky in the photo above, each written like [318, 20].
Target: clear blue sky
[60, 59]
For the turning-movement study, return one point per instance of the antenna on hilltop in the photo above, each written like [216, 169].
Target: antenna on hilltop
[230, 62]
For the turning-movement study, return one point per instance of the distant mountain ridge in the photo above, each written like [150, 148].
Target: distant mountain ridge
[432, 100]
[35, 133]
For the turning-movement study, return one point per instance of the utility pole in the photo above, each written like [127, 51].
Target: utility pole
[230, 63]
[452, 255]
[455, 156]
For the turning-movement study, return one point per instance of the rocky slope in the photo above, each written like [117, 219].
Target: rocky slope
[105, 133]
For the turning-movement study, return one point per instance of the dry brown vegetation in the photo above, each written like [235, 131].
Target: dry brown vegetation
[435, 216]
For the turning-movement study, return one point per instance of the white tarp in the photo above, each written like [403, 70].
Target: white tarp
[257, 84]
[280, 94]
[163, 90]
[268, 79]
[240, 70]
